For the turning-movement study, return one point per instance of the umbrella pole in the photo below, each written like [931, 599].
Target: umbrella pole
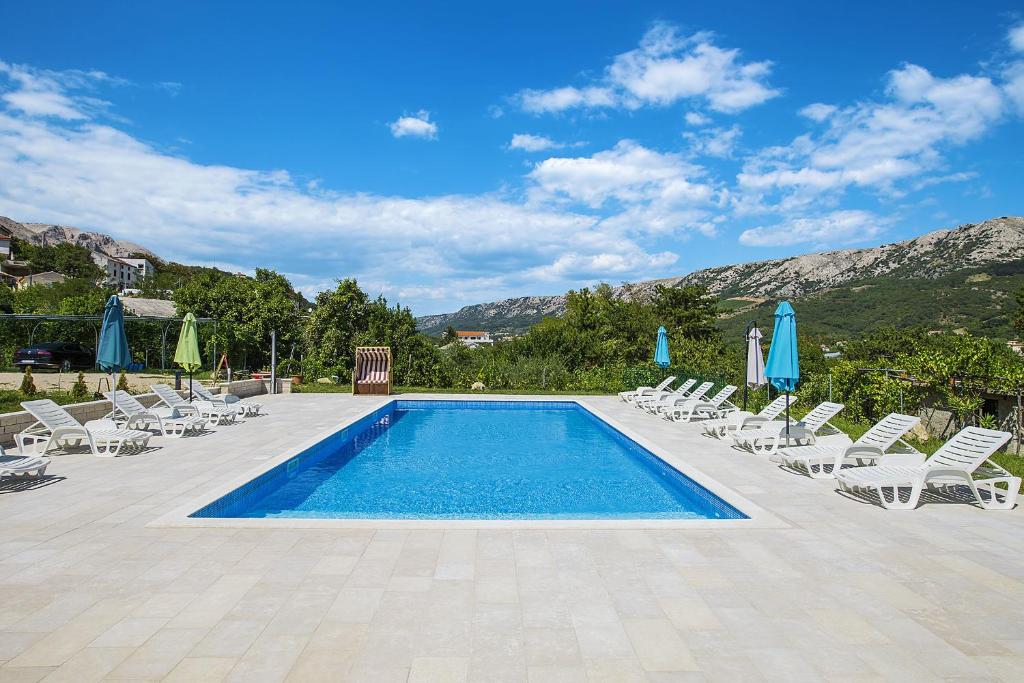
[746, 364]
[113, 400]
[787, 417]
[190, 386]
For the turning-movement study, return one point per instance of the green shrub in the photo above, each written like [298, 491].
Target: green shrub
[122, 382]
[79, 391]
[28, 385]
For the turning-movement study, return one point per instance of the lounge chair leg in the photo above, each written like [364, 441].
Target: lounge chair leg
[896, 503]
[991, 487]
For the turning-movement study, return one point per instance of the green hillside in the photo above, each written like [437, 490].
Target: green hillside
[980, 301]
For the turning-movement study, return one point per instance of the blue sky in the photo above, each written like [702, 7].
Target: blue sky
[457, 154]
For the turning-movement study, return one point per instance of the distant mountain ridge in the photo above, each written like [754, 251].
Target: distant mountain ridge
[930, 256]
[47, 234]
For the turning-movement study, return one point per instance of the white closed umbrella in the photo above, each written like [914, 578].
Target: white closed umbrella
[755, 360]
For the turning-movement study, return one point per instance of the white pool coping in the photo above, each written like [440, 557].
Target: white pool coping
[757, 517]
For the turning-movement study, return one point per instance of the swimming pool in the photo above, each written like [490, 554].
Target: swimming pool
[432, 459]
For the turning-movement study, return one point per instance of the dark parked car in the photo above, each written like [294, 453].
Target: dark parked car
[56, 355]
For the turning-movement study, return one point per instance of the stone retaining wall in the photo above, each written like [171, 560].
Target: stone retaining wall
[12, 423]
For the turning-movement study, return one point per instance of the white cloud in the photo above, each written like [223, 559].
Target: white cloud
[628, 173]
[838, 227]
[418, 125]
[39, 92]
[665, 69]
[1016, 37]
[818, 111]
[695, 118]
[95, 176]
[714, 142]
[532, 143]
[875, 145]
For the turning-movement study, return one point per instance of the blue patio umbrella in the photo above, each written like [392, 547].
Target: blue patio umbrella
[783, 366]
[661, 357]
[113, 354]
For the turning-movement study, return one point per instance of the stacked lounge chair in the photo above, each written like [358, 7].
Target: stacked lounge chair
[56, 427]
[244, 408]
[654, 403]
[630, 396]
[769, 437]
[742, 419]
[824, 461]
[213, 414]
[954, 464]
[685, 410]
[168, 421]
[657, 395]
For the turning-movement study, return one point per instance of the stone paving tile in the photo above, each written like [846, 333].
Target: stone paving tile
[846, 592]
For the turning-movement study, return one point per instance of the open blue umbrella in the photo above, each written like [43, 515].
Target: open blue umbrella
[113, 354]
[783, 366]
[661, 357]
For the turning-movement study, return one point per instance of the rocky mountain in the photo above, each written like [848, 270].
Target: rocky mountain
[933, 256]
[49, 235]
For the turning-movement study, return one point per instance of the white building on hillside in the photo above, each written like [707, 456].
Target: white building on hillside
[5, 243]
[122, 273]
[474, 339]
[142, 266]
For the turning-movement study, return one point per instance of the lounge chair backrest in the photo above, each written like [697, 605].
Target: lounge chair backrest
[665, 382]
[202, 392]
[167, 395]
[968, 449]
[125, 401]
[888, 431]
[49, 414]
[821, 414]
[723, 394]
[776, 407]
[684, 387]
[699, 392]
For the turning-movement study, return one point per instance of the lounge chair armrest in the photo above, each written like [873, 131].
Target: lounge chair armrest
[862, 452]
[945, 473]
[903, 459]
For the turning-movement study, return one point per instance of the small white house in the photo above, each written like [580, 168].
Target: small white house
[143, 267]
[473, 339]
[5, 243]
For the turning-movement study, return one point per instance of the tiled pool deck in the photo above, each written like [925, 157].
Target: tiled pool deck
[815, 587]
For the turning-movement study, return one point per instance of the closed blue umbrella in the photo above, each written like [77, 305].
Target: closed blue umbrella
[113, 354]
[783, 366]
[661, 357]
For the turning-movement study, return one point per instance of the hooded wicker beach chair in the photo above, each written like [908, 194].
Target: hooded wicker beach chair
[372, 372]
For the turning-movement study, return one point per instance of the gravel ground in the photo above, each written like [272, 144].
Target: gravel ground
[52, 380]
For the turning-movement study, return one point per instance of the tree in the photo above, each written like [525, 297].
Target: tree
[689, 311]
[65, 258]
[1018, 316]
[6, 299]
[449, 335]
[330, 334]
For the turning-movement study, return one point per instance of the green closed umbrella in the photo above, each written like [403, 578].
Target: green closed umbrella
[187, 353]
[113, 354]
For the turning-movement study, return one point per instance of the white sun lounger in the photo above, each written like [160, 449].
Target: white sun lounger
[655, 396]
[822, 461]
[742, 419]
[687, 409]
[230, 401]
[213, 414]
[951, 465]
[55, 427]
[653, 404]
[168, 421]
[769, 437]
[22, 466]
[630, 396]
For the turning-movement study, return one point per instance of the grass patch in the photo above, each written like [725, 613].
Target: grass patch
[10, 400]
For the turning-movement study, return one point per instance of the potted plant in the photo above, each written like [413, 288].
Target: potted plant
[292, 368]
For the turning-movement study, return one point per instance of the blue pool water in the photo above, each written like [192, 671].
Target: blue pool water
[475, 460]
